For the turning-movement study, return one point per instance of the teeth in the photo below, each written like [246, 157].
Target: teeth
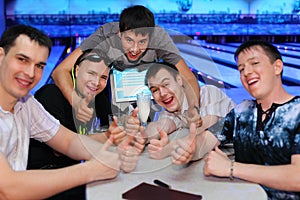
[251, 81]
[23, 82]
[92, 89]
[167, 100]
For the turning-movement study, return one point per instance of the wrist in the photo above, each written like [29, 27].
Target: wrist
[75, 99]
[231, 176]
[197, 108]
[107, 134]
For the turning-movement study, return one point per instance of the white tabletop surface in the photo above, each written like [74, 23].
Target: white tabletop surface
[187, 178]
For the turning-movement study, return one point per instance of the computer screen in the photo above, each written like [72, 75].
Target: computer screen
[126, 84]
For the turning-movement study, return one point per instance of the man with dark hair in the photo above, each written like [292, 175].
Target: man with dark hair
[132, 41]
[265, 131]
[166, 86]
[23, 54]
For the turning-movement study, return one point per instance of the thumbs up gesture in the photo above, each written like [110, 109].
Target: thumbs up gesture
[130, 149]
[158, 148]
[184, 148]
[132, 123]
[82, 111]
[116, 131]
[128, 154]
[104, 164]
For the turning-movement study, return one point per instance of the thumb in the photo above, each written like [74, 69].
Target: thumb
[192, 134]
[127, 141]
[135, 112]
[108, 143]
[143, 133]
[88, 98]
[115, 121]
[162, 134]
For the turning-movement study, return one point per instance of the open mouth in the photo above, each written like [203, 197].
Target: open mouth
[252, 81]
[92, 90]
[133, 56]
[23, 83]
[168, 101]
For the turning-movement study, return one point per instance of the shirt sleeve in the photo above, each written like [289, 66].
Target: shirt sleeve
[214, 101]
[103, 33]
[164, 46]
[43, 125]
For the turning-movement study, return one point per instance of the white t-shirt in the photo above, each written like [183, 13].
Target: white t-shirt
[29, 120]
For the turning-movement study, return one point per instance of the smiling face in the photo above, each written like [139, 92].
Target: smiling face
[91, 77]
[166, 90]
[258, 75]
[21, 68]
[134, 45]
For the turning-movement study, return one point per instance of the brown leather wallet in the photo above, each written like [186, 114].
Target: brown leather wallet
[145, 191]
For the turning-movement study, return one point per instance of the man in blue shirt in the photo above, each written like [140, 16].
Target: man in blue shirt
[265, 131]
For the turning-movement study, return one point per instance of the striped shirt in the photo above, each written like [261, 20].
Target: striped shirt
[28, 120]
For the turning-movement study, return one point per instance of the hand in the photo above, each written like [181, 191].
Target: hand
[217, 163]
[105, 164]
[193, 115]
[185, 147]
[80, 105]
[128, 154]
[116, 131]
[140, 139]
[158, 148]
[132, 123]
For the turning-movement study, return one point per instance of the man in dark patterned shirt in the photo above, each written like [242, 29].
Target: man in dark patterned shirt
[265, 131]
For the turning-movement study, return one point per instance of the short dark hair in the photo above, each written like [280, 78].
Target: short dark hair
[270, 50]
[93, 55]
[153, 69]
[10, 35]
[137, 18]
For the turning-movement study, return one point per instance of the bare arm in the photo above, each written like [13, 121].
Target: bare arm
[100, 137]
[61, 74]
[164, 124]
[76, 146]
[286, 178]
[17, 185]
[281, 177]
[191, 85]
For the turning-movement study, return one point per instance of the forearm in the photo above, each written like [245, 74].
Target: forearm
[83, 148]
[39, 184]
[63, 80]
[73, 145]
[165, 124]
[207, 121]
[61, 74]
[191, 85]
[205, 142]
[100, 137]
[281, 177]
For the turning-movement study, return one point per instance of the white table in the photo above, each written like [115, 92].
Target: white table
[188, 178]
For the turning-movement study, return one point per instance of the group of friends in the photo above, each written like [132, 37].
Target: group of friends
[45, 140]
